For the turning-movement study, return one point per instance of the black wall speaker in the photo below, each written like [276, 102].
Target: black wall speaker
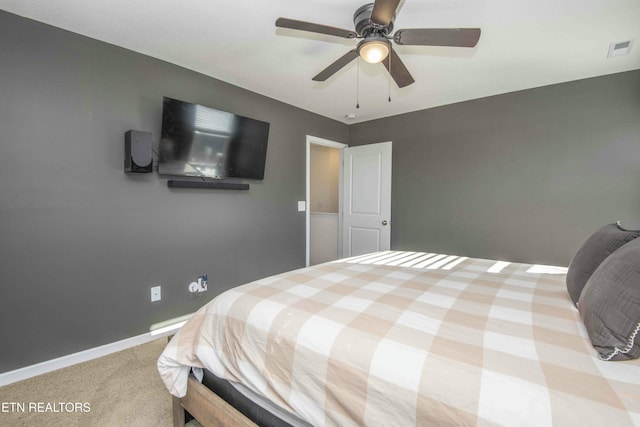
[137, 152]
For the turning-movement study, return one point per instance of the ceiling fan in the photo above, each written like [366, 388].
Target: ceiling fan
[374, 24]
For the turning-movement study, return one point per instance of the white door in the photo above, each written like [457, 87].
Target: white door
[366, 205]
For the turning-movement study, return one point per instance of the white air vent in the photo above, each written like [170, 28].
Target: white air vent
[620, 48]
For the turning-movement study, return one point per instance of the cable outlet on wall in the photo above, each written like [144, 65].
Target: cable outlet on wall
[156, 294]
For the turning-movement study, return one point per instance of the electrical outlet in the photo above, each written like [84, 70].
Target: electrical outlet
[156, 294]
[199, 286]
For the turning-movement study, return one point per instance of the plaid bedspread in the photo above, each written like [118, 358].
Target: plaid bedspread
[407, 338]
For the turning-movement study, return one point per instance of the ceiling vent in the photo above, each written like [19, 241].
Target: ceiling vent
[620, 48]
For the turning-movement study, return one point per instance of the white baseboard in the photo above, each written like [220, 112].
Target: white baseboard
[82, 356]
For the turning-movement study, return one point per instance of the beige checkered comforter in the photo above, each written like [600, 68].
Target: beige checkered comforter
[405, 338]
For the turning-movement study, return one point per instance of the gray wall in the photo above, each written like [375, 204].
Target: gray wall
[81, 243]
[524, 176]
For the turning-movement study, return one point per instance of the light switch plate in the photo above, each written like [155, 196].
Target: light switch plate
[302, 205]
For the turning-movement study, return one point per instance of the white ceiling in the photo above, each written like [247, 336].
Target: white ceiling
[524, 44]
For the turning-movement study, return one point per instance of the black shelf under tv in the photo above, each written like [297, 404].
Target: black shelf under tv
[221, 185]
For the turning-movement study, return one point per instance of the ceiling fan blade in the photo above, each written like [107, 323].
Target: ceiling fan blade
[315, 28]
[384, 11]
[398, 71]
[458, 37]
[336, 66]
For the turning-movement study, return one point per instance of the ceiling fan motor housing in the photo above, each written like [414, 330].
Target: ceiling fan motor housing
[364, 26]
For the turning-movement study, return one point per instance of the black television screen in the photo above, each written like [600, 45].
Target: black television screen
[201, 141]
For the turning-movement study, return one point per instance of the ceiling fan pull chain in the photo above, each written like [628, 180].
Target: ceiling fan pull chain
[358, 83]
[389, 76]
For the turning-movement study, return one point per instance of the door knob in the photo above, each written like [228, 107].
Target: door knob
[384, 222]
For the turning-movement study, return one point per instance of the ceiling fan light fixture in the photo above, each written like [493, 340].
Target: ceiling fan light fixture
[374, 51]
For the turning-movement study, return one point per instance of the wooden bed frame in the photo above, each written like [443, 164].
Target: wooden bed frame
[206, 407]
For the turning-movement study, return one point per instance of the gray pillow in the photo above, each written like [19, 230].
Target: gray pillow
[593, 251]
[610, 305]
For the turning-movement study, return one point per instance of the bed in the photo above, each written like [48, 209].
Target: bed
[401, 338]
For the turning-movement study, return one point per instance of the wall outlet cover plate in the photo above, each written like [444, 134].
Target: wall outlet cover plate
[156, 294]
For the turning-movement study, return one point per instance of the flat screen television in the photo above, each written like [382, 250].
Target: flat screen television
[204, 142]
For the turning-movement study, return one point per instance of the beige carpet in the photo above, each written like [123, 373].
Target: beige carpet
[121, 389]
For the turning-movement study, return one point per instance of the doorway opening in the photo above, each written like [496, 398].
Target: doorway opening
[323, 200]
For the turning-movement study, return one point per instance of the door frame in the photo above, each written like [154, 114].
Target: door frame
[332, 144]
